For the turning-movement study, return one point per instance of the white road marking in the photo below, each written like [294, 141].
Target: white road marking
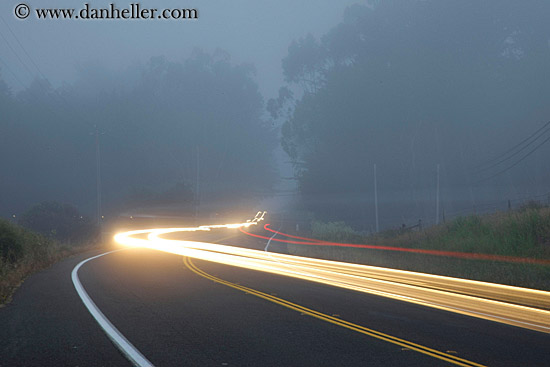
[268, 242]
[112, 332]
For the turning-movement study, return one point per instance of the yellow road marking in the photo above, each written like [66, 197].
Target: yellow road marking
[333, 320]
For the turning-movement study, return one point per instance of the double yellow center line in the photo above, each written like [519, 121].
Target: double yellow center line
[333, 320]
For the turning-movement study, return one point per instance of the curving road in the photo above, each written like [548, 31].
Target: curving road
[179, 311]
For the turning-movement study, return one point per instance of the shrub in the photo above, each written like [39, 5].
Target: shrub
[334, 232]
[531, 205]
[11, 242]
[62, 222]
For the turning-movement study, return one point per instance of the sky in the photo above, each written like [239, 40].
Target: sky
[256, 32]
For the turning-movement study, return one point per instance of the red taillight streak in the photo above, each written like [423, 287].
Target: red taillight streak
[289, 235]
[463, 255]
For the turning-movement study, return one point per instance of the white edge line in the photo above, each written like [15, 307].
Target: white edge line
[268, 242]
[112, 332]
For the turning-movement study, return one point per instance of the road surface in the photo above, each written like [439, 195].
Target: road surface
[181, 312]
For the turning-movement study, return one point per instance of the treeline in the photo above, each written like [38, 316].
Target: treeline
[163, 127]
[408, 85]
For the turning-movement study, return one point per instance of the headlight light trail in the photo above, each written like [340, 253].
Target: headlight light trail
[523, 307]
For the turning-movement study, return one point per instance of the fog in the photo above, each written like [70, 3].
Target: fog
[250, 31]
[286, 106]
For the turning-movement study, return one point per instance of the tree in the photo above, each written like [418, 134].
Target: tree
[62, 222]
[408, 85]
[11, 242]
[161, 123]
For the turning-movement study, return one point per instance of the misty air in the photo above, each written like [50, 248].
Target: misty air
[311, 183]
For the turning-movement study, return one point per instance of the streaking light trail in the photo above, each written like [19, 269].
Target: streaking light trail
[456, 254]
[527, 308]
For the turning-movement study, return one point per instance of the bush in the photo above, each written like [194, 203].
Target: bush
[531, 205]
[334, 232]
[11, 243]
[62, 222]
[23, 252]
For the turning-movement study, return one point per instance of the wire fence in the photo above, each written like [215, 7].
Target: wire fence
[301, 220]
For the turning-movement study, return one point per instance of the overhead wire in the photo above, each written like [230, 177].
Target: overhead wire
[517, 162]
[506, 158]
[28, 90]
[12, 73]
[502, 155]
[22, 47]
[513, 152]
[45, 88]
[15, 53]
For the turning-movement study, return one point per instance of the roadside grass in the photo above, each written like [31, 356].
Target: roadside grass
[335, 232]
[23, 252]
[523, 233]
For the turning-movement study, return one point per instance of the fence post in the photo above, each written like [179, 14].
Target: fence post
[437, 199]
[509, 205]
[420, 224]
[375, 199]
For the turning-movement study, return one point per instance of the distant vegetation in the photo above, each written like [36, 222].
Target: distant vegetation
[524, 232]
[198, 120]
[335, 232]
[180, 194]
[61, 222]
[407, 85]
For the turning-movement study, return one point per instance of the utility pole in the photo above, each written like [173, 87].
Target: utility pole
[197, 185]
[375, 199]
[98, 177]
[437, 198]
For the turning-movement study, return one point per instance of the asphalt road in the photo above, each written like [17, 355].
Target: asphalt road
[175, 314]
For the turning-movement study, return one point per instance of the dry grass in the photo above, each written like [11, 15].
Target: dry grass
[37, 253]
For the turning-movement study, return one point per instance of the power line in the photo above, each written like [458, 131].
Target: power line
[16, 55]
[515, 164]
[28, 90]
[23, 48]
[44, 88]
[63, 101]
[503, 157]
[12, 73]
[513, 155]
